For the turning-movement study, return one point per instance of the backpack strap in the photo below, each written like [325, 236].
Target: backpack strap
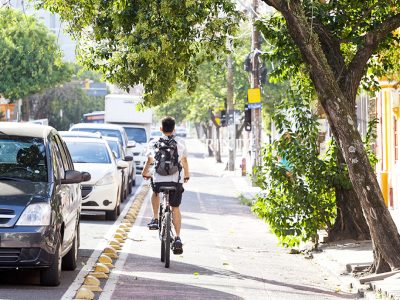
[172, 137]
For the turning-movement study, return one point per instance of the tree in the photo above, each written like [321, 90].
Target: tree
[31, 60]
[290, 73]
[149, 42]
[336, 40]
[64, 105]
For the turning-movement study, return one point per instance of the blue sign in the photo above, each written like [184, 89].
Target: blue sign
[254, 105]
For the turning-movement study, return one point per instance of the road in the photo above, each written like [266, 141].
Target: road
[228, 253]
[24, 284]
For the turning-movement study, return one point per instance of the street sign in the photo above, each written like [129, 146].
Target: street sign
[254, 95]
[254, 105]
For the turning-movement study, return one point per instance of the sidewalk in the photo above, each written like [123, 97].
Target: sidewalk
[341, 259]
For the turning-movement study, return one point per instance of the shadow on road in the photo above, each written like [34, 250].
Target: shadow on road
[133, 283]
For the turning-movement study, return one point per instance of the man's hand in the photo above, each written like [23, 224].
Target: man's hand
[186, 179]
[146, 175]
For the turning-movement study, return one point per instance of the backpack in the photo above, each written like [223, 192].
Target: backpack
[166, 156]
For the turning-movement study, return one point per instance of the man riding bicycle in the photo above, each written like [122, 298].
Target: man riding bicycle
[169, 156]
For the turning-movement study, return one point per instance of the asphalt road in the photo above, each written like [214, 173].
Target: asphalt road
[24, 284]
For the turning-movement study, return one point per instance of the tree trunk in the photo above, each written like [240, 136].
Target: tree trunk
[198, 128]
[230, 110]
[350, 222]
[217, 149]
[337, 102]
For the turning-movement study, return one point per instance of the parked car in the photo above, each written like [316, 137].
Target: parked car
[118, 151]
[40, 201]
[155, 134]
[103, 191]
[111, 130]
[181, 132]
[119, 154]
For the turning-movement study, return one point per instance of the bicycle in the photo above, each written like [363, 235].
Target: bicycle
[164, 224]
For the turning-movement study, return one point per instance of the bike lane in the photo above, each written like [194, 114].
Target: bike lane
[228, 252]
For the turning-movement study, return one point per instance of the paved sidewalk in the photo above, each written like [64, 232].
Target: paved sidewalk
[338, 258]
[228, 252]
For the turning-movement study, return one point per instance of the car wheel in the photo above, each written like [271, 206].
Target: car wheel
[122, 194]
[112, 215]
[51, 276]
[70, 259]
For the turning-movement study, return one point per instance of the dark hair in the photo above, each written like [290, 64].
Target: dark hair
[168, 124]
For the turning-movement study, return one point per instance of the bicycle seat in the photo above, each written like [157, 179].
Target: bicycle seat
[167, 188]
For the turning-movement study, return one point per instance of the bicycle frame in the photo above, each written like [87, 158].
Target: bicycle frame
[165, 227]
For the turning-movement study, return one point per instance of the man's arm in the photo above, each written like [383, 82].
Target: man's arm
[147, 166]
[185, 166]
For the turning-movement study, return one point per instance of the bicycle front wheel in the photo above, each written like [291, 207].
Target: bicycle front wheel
[167, 236]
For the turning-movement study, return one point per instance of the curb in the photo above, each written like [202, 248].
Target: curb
[108, 257]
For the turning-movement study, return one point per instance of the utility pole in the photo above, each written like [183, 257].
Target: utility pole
[255, 83]
[230, 111]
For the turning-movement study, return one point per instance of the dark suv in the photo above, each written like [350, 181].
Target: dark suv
[40, 201]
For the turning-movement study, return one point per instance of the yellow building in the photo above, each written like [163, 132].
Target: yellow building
[387, 144]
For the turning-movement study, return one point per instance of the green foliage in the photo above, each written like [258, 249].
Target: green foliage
[211, 87]
[30, 58]
[297, 184]
[70, 99]
[347, 22]
[150, 42]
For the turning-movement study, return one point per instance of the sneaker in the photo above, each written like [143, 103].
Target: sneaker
[177, 246]
[153, 225]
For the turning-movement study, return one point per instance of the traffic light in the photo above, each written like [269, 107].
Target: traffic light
[223, 118]
[247, 118]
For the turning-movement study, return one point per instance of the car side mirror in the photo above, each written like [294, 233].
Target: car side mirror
[72, 176]
[128, 158]
[131, 144]
[86, 176]
[122, 164]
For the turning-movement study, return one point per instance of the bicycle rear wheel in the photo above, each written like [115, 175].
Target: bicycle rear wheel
[167, 236]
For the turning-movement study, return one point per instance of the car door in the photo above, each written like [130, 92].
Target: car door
[64, 191]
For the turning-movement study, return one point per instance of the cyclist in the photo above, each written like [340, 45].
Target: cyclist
[175, 179]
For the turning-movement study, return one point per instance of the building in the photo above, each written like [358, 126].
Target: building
[387, 145]
[52, 21]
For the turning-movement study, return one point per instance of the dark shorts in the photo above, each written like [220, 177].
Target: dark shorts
[175, 198]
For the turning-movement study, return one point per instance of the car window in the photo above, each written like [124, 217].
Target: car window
[23, 158]
[104, 132]
[63, 154]
[87, 152]
[115, 148]
[136, 134]
[58, 165]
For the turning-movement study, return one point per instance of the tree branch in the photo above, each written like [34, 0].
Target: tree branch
[371, 40]
[331, 47]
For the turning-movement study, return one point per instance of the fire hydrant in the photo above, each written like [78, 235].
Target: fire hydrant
[243, 166]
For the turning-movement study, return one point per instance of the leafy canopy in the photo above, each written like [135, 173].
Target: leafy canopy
[30, 58]
[150, 42]
[345, 23]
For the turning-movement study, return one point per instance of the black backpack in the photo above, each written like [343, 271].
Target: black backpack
[166, 156]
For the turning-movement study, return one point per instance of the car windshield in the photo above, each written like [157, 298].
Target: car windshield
[115, 148]
[136, 134]
[104, 132]
[22, 158]
[85, 152]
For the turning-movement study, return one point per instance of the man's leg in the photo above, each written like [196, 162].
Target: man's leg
[155, 203]
[177, 220]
